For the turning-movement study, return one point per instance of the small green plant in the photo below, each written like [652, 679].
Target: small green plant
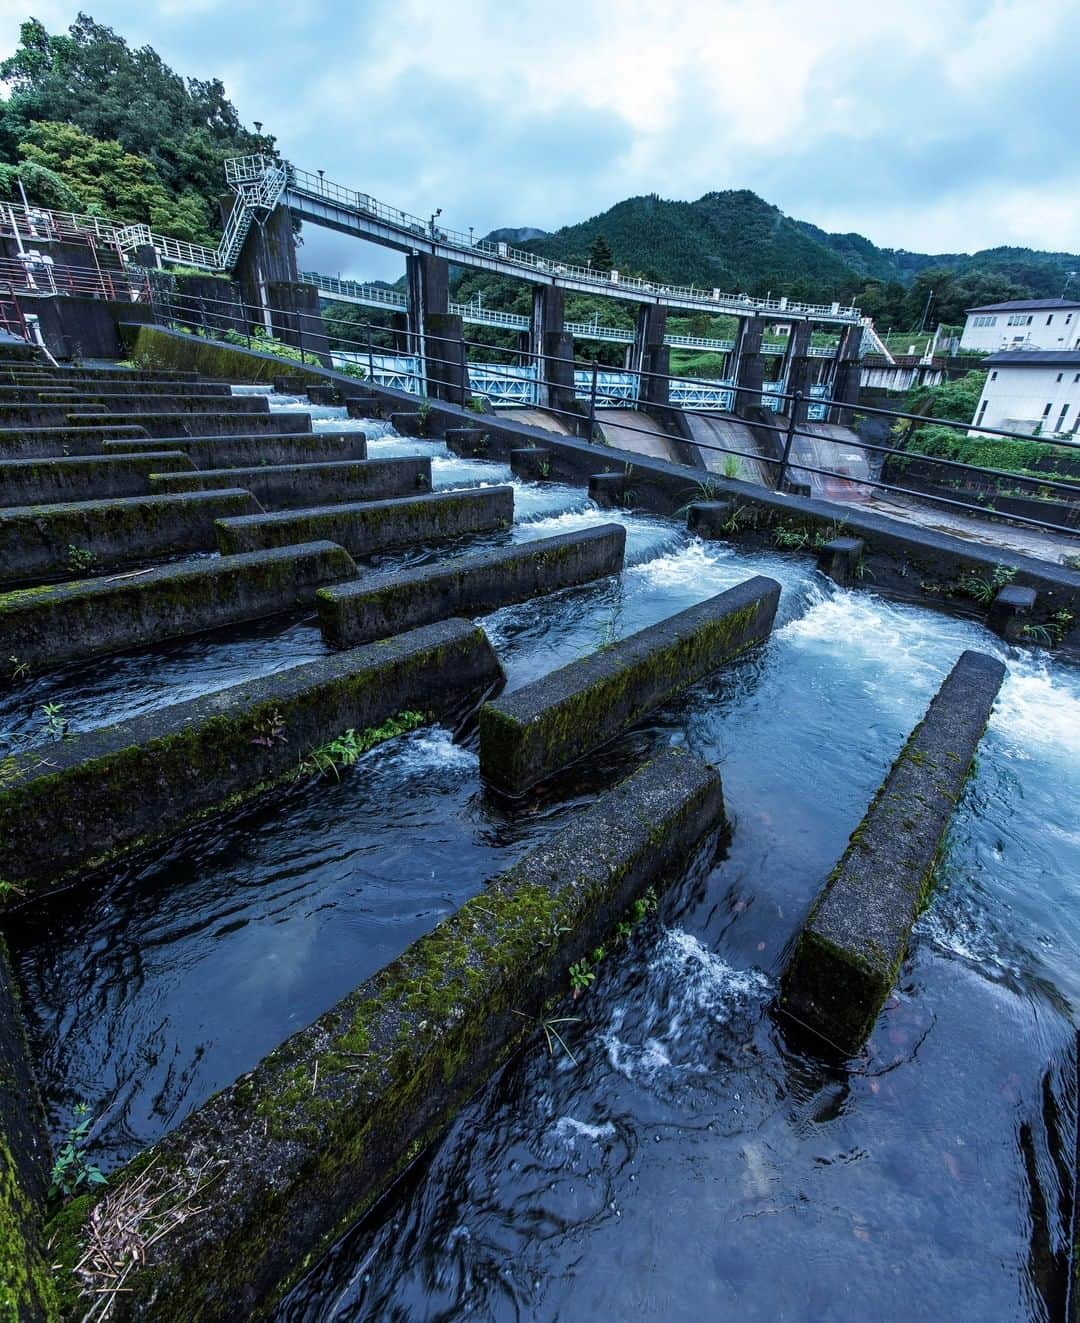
[270, 729]
[985, 589]
[56, 724]
[343, 751]
[7, 890]
[551, 1033]
[1037, 634]
[1060, 623]
[731, 466]
[423, 410]
[19, 669]
[1071, 562]
[544, 468]
[476, 404]
[791, 539]
[646, 904]
[80, 559]
[581, 976]
[71, 1172]
[703, 491]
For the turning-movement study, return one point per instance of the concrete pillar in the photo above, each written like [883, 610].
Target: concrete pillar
[427, 281]
[267, 258]
[296, 318]
[799, 366]
[447, 371]
[846, 373]
[552, 349]
[650, 354]
[749, 370]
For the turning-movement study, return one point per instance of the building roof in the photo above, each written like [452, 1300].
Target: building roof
[1033, 358]
[1026, 305]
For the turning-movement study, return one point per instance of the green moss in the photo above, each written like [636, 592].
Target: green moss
[27, 1290]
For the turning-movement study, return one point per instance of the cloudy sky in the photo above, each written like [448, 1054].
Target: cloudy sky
[940, 126]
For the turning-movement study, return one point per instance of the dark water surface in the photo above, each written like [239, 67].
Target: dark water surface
[688, 1162]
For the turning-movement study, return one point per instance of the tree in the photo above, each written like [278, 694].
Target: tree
[600, 258]
[44, 188]
[112, 182]
[92, 82]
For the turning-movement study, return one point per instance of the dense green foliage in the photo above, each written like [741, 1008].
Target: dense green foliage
[92, 125]
[958, 400]
[736, 242]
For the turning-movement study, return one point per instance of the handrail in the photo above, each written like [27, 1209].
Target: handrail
[242, 171]
[413, 375]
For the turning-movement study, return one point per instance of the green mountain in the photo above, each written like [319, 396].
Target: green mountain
[737, 242]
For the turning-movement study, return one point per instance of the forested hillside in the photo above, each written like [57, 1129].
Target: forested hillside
[92, 125]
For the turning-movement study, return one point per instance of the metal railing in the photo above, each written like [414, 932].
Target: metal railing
[42, 276]
[596, 388]
[242, 171]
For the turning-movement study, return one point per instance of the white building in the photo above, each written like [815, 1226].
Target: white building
[1031, 389]
[1025, 323]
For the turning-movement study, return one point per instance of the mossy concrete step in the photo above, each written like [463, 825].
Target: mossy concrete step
[64, 374]
[299, 1148]
[44, 442]
[365, 528]
[155, 386]
[535, 731]
[88, 800]
[376, 605]
[165, 401]
[87, 477]
[47, 626]
[26, 1285]
[69, 539]
[56, 412]
[853, 942]
[293, 486]
[222, 452]
[221, 423]
[47, 390]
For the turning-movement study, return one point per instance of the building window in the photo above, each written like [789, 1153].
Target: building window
[1046, 411]
[1068, 318]
[984, 321]
[982, 410]
[1061, 421]
[993, 375]
[1020, 319]
[1060, 375]
[1050, 319]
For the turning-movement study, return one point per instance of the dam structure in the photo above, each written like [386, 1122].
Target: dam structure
[469, 858]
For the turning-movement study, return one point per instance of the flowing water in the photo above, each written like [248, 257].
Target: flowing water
[686, 1161]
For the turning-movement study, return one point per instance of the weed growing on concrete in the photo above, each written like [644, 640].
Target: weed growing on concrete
[476, 404]
[71, 1172]
[56, 724]
[19, 669]
[550, 1024]
[581, 976]
[1060, 623]
[985, 589]
[703, 491]
[346, 748]
[731, 466]
[8, 889]
[423, 410]
[1038, 635]
[270, 729]
[544, 468]
[80, 559]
